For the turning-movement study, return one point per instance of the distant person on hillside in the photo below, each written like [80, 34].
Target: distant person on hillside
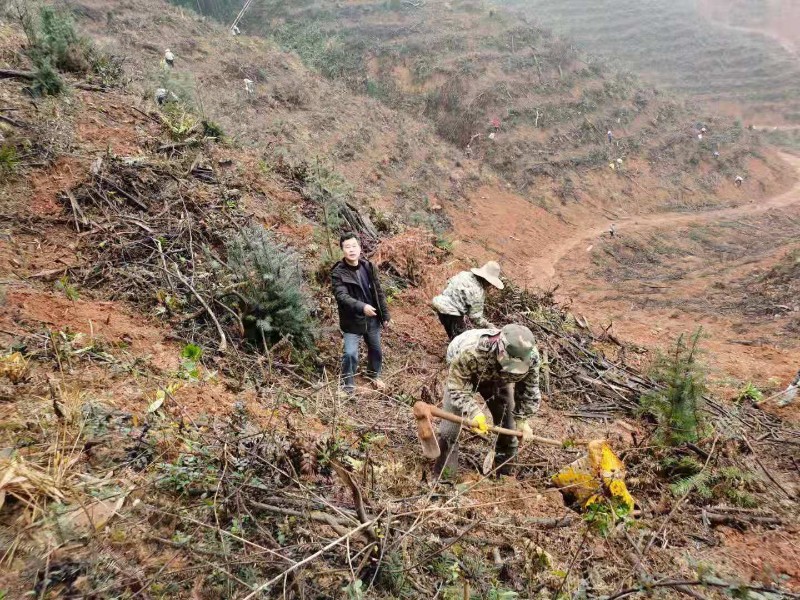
[496, 124]
[464, 298]
[612, 231]
[790, 393]
[502, 365]
[738, 181]
[610, 135]
[362, 312]
[169, 58]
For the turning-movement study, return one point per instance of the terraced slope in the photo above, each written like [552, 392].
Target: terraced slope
[675, 42]
[513, 96]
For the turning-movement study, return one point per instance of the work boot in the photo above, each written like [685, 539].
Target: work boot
[502, 463]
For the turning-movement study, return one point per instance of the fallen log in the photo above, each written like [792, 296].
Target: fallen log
[739, 519]
[12, 74]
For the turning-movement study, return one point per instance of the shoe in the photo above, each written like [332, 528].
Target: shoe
[379, 384]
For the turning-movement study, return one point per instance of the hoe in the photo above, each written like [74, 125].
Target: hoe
[430, 445]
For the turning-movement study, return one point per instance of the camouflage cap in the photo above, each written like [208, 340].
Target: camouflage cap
[516, 349]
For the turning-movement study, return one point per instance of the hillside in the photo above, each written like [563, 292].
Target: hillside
[169, 426]
[467, 67]
[720, 52]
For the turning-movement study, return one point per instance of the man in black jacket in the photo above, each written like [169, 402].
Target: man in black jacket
[362, 311]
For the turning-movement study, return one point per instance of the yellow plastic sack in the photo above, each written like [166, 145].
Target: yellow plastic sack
[590, 478]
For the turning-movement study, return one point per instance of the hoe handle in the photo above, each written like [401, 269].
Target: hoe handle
[447, 416]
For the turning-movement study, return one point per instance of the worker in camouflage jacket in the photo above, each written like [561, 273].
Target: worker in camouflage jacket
[502, 365]
[464, 297]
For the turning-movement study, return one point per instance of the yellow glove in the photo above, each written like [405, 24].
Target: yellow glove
[479, 425]
[527, 432]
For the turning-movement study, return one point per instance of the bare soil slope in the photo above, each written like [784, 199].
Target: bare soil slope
[134, 464]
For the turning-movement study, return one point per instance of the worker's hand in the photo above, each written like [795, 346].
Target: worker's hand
[527, 432]
[370, 311]
[479, 425]
[387, 324]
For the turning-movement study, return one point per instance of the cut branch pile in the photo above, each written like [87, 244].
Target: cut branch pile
[577, 366]
[153, 233]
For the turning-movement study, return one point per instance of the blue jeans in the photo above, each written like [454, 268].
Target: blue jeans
[350, 356]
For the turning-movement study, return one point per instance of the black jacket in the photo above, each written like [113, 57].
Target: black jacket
[346, 290]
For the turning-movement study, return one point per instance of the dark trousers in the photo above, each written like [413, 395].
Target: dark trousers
[500, 400]
[454, 325]
[350, 355]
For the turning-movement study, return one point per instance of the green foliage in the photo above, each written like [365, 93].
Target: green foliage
[211, 129]
[54, 45]
[750, 393]
[190, 362]
[57, 42]
[729, 484]
[46, 82]
[601, 516]
[495, 592]
[354, 590]
[271, 295]
[64, 285]
[179, 121]
[676, 407]
[195, 469]
[393, 575]
[9, 159]
[192, 352]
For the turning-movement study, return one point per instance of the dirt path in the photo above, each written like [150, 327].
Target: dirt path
[543, 269]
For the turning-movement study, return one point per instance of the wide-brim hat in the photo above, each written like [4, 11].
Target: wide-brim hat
[491, 273]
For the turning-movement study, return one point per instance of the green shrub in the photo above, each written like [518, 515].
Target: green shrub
[676, 407]
[725, 484]
[54, 45]
[46, 82]
[58, 42]
[212, 129]
[9, 159]
[271, 296]
[750, 393]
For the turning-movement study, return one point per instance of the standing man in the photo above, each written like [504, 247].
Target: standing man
[362, 312]
[465, 296]
[502, 365]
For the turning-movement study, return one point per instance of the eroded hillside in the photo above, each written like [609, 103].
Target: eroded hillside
[152, 446]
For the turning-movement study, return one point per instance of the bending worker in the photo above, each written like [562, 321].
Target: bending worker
[464, 297]
[502, 365]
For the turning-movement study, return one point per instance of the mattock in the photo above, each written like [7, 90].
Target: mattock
[430, 445]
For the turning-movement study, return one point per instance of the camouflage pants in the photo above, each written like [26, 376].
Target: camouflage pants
[500, 401]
